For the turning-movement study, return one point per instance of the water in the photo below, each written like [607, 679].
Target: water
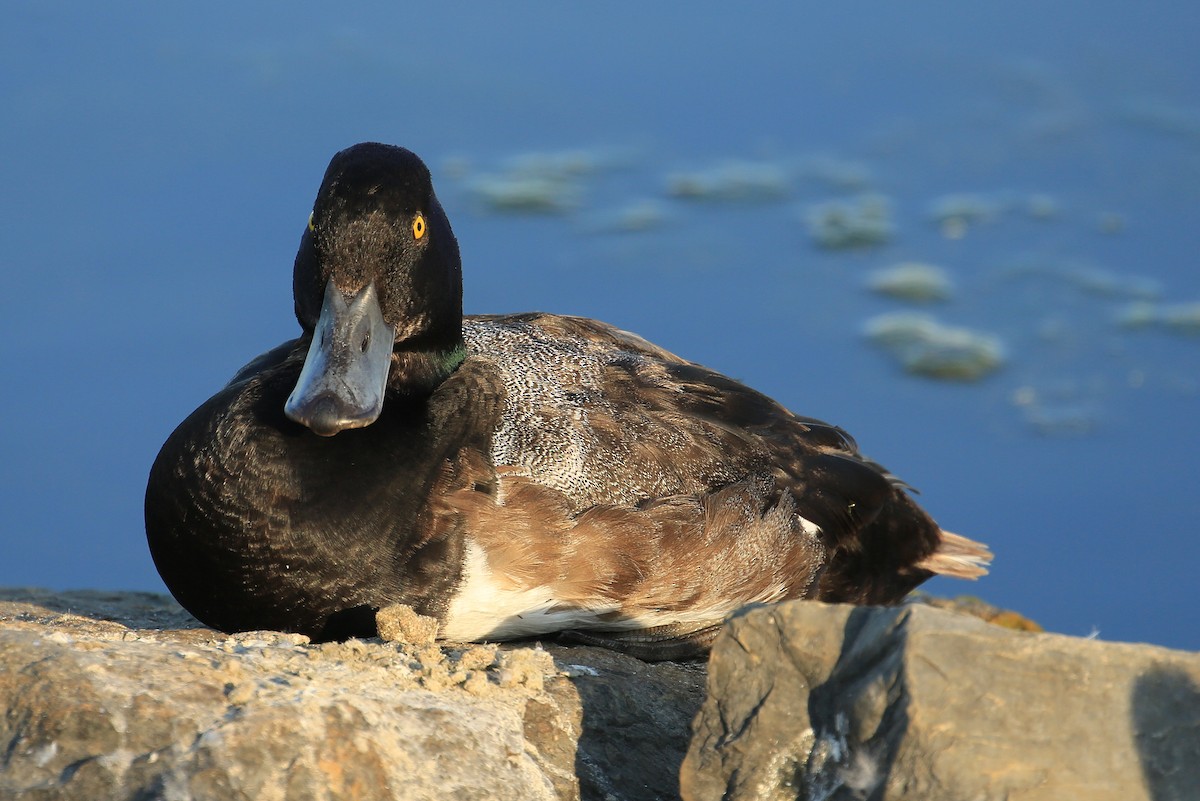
[160, 163]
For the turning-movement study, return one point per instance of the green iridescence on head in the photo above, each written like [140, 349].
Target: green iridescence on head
[451, 359]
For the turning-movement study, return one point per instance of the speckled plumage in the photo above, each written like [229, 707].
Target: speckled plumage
[527, 474]
[567, 421]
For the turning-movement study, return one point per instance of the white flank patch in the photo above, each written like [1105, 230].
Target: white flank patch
[485, 609]
[810, 528]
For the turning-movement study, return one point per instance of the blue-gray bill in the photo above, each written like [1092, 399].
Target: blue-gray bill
[345, 373]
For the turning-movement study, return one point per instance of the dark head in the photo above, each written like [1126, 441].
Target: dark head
[378, 285]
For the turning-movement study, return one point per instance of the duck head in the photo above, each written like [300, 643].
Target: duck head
[378, 288]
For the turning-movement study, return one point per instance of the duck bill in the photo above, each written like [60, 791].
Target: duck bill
[345, 373]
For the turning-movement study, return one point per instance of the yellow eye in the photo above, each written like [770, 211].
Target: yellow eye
[310, 224]
[418, 226]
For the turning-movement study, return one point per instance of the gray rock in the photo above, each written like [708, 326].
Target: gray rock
[821, 702]
[124, 696]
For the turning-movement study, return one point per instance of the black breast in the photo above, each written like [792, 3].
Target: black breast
[254, 522]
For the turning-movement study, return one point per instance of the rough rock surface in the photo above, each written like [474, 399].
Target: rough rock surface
[124, 696]
[825, 703]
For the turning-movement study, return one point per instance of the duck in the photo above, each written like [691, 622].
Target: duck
[511, 476]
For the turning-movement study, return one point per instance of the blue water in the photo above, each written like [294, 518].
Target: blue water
[159, 163]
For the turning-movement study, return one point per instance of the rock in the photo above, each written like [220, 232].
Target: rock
[124, 696]
[976, 607]
[825, 703]
[620, 755]
[401, 623]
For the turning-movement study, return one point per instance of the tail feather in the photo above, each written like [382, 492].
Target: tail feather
[959, 557]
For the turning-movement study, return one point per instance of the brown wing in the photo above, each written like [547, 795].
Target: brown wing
[609, 421]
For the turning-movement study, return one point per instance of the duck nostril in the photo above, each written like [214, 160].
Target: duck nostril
[366, 342]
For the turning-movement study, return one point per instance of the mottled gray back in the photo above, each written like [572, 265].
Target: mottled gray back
[577, 415]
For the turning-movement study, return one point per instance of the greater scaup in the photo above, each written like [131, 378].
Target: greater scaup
[511, 476]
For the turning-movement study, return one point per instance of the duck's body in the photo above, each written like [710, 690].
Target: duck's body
[521, 475]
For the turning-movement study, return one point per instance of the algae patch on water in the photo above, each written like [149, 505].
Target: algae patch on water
[733, 181]
[538, 182]
[925, 347]
[646, 214]
[860, 222]
[1177, 318]
[913, 281]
